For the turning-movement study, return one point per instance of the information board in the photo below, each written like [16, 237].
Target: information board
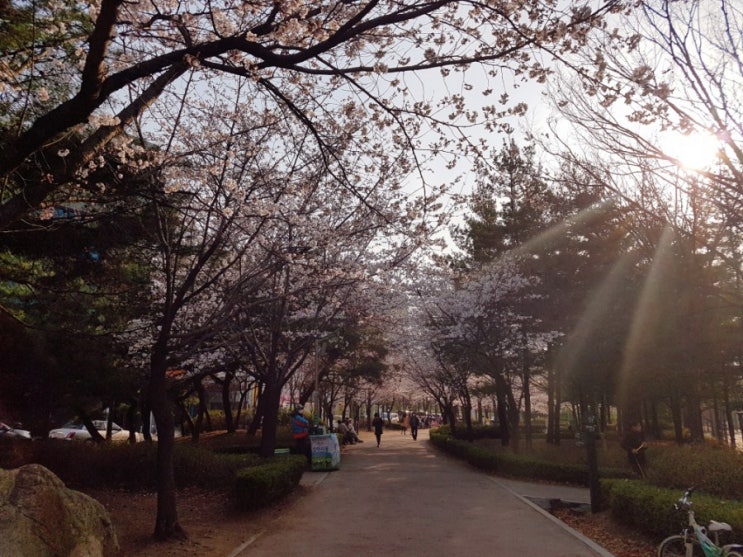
[326, 452]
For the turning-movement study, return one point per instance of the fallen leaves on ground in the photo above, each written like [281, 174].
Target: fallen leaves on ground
[612, 536]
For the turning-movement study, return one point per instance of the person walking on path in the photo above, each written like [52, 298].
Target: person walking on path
[378, 425]
[634, 443]
[405, 423]
[414, 423]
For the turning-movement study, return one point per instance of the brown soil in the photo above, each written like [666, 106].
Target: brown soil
[614, 537]
[216, 530]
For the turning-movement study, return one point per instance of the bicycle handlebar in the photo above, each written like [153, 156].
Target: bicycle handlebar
[685, 501]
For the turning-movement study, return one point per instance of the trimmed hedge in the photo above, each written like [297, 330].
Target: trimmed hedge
[253, 481]
[514, 465]
[713, 469]
[261, 485]
[636, 503]
[478, 432]
[649, 508]
[133, 467]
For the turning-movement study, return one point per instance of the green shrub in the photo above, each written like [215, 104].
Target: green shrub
[254, 481]
[478, 432]
[643, 507]
[647, 506]
[261, 485]
[217, 420]
[650, 509]
[520, 466]
[133, 467]
[530, 467]
[15, 452]
[713, 469]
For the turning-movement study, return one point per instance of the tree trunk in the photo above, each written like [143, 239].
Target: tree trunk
[271, 399]
[503, 418]
[258, 416]
[553, 408]
[551, 411]
[447, 415]
[95, 435]
[467, 415]
[526, 380]
[513, 421]
[726, 405]
[558, 406]
[166, 522]
[717, 427]
[185, 416]
[654, 421]
[229, 422]
[678, 426]
[144, 410]
[201, 393]
[694, 414]
[131, 414]
[368, 406]
[241, 404]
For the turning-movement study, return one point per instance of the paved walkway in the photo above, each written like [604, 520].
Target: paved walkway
[407, 499]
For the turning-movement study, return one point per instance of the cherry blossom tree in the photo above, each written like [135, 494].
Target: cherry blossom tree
[465, 333]
[127, 61]
[265, 128]
[428, 369]
[257, 256]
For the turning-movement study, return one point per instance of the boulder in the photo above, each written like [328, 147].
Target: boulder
[40, 517]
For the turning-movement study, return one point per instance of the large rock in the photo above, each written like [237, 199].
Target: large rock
[40, 517]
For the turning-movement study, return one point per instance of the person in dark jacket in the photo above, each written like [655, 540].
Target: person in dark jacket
[378, 425]
[414, 423]
[634, 443]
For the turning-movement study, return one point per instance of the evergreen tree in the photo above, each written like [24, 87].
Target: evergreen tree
[569, 243]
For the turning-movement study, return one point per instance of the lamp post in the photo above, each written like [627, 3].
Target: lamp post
[590, 430]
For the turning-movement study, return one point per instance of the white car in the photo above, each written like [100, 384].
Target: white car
[78, 432]
[8, 432]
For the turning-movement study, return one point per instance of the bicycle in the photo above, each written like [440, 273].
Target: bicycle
[694, 540]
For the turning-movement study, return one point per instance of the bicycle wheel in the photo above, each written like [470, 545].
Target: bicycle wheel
[675, 546]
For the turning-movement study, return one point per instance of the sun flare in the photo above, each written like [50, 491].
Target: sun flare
[695, 151]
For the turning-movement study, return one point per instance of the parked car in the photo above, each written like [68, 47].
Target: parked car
[8, 432]
[77, 431]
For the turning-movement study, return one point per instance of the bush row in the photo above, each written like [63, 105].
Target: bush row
[478, 432]
[133, 467]
[650, 509]
[252, 480]
[644, 505]
[514, 465]
[261, 485]
[713, 469]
